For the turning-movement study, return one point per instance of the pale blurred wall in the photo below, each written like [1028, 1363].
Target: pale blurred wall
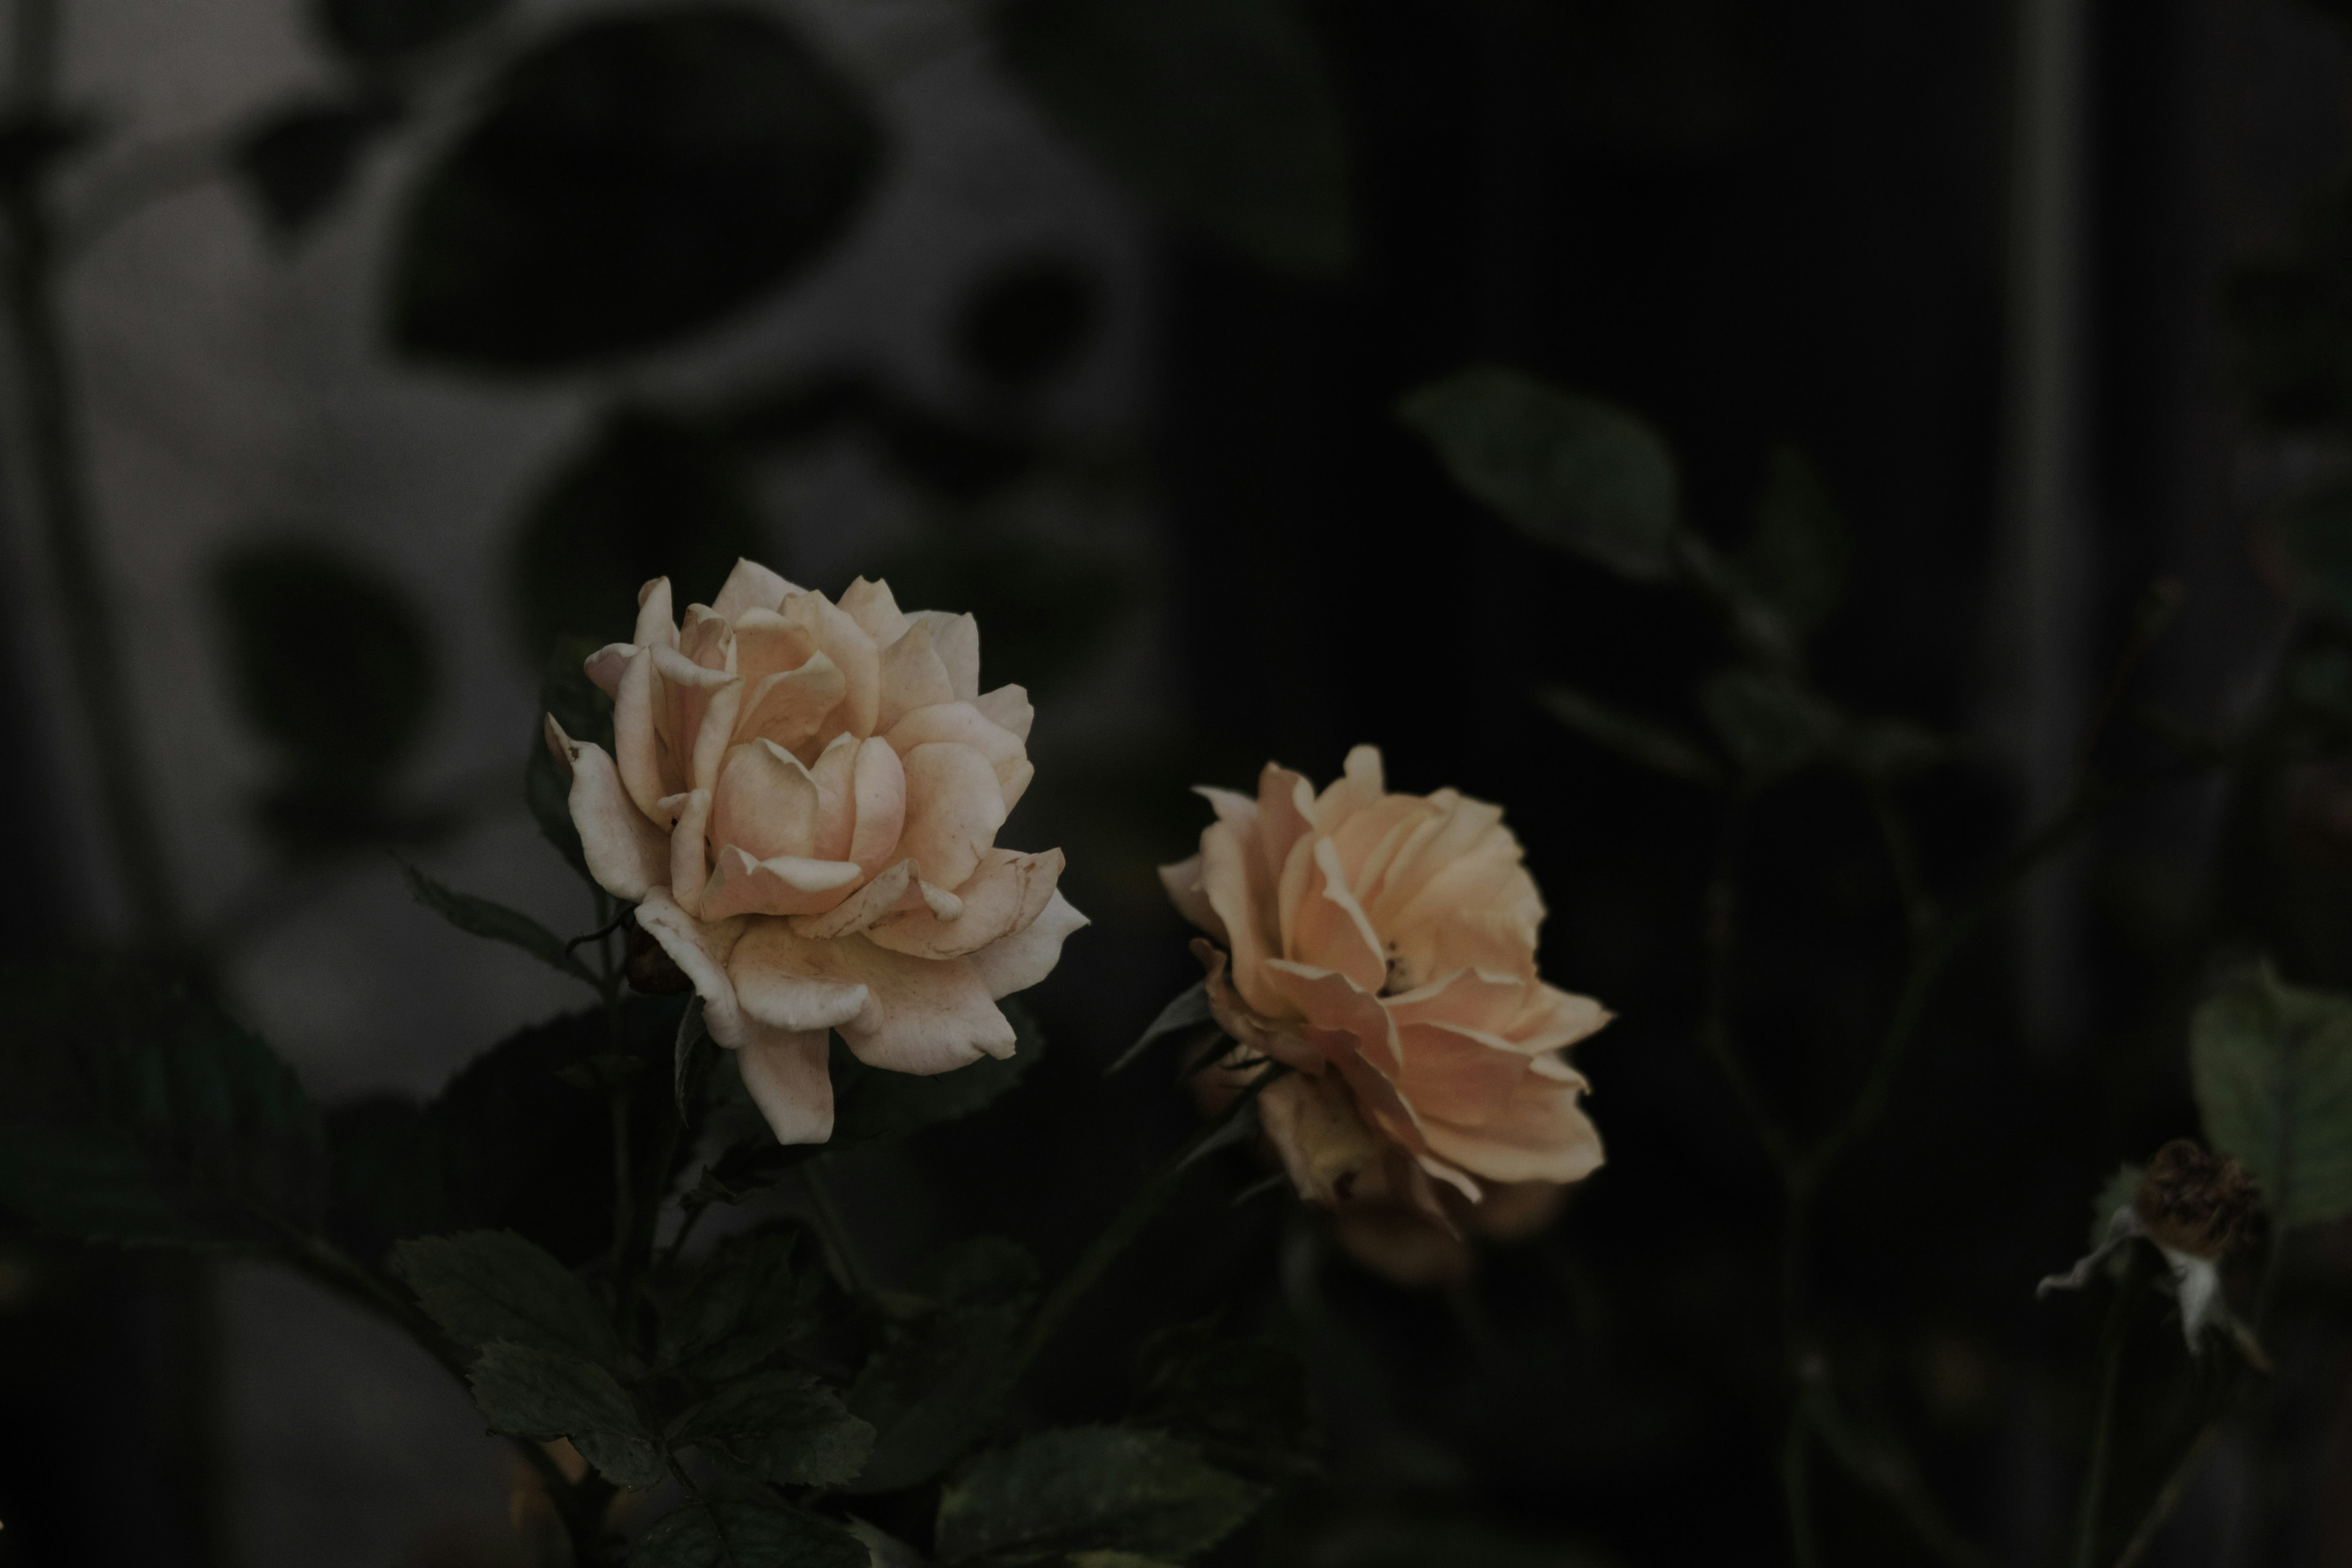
[229, 383]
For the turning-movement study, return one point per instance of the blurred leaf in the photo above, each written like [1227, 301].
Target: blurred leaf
[2271, 1064]
[1246, 1400]
[649, 496]
[532, 1392]
[1026, 322]
[933, 1388]
[1770, 725]
[135, 1113]
[1047, 608]
[486, 1285]
[331, 661]
[1187, 1013]
[1093, 1488]
[372, 32]
[1800, 552]
[298, 160]
[496, 922]
[1221, 110]
[2117, 1191]
[635, 178]
[586, 714]
[1571, 471]
[784, 1427]
[741, 1533]
[507, 1144]
[1894, 749]
[1637, 741]
[742, 1304]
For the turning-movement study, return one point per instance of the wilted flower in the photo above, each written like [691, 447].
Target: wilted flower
[1384, 946]
[2196, 1208]
[803, 804]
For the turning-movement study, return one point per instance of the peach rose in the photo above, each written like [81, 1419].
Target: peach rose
[1384, 945]
[803, 807]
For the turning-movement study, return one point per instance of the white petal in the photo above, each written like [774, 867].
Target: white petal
[926, 1016]
[862, 907]
[689, 852]
[1017, 961]
[700, 951]
[626, 853]
[956, 640]
[791, 983]
[785, 1071]
[1007, 894]
[1008, 708]
[656, 625]
[751, 586]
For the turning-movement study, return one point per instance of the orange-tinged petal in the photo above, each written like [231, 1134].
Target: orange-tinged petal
[954, 806]
[751, 586]
[1017, 961]
[881, 788]
[1008, 892]
[1332, 932]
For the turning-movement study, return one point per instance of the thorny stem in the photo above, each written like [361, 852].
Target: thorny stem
[1156, 1190]
[2112, 1337]
[58, 490]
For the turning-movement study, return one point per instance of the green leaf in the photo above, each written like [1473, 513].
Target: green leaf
[635, 177]
[375, 32]
[485, 917]
[298, 160]
[1245, 1398]
[784, 1427]
[646, 495]
[1770, 725]
[1186, 1014]
[1093, 1488]
[136, 1112]
[2271, 1064]
[1571, 471]
[527, 1392]
[741, 1533]
[1637, 741]
[931, 1390]
[2114, 1193]
[486, 1285]
[1223, 111]
[331, 661]
[586, 714]
[743, 1303]
[1800, 552]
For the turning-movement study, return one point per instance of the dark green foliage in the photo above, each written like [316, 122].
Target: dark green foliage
[1223, 111]
[635, 178]
[730, 1532]
[1571, 471]
[136, 1112]
[785, 1427]
[648, 496]
[1771, 725]
[1800, 552]
[376, 32]
[2272, 1068]
[1093, 1488]
[486, 1285]
[1637, 741]
[741, 1305]
[494, 921]
[938, 1381]
[507, 1145]
[1243, 1399]
[332, 662]
[586, 714]
[531, 1393]
[298, 161]
[1027, 321]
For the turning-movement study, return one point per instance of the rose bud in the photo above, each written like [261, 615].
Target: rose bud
[1384, 947]
[2195, 1207]
[802, 802]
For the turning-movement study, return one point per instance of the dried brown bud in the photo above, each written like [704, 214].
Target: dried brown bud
[650, 968]
[2196, 1202]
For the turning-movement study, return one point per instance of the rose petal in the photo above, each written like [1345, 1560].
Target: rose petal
[626, 853]
[844, 641]
[1323, 1143]
[786, 1073]
[881, 789]
[656, 624]
[860, 909]
[956, 640]
[1226, 862]
[751, 586]
[877, 613]
[699, 949]
[835, 773]
[912, 677]
[965, 724]
[1332, 932]
[1017, 961]
[1541, 1135]
[637, 744]
[1358, 789]
[788, 983]
[793, 707]
[925, 1016]
[954, 806]
[1182, 881]
[689, 852]
[1008, 892]
[605, 667]
[766, 802]
[782, 885]
[1007, 708]
[708, 638]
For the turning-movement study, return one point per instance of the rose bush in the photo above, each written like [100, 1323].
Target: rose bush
[1384, 946]
[803, 803]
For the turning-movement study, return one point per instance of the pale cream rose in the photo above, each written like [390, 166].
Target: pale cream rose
[1384, 945]
[803, 806]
